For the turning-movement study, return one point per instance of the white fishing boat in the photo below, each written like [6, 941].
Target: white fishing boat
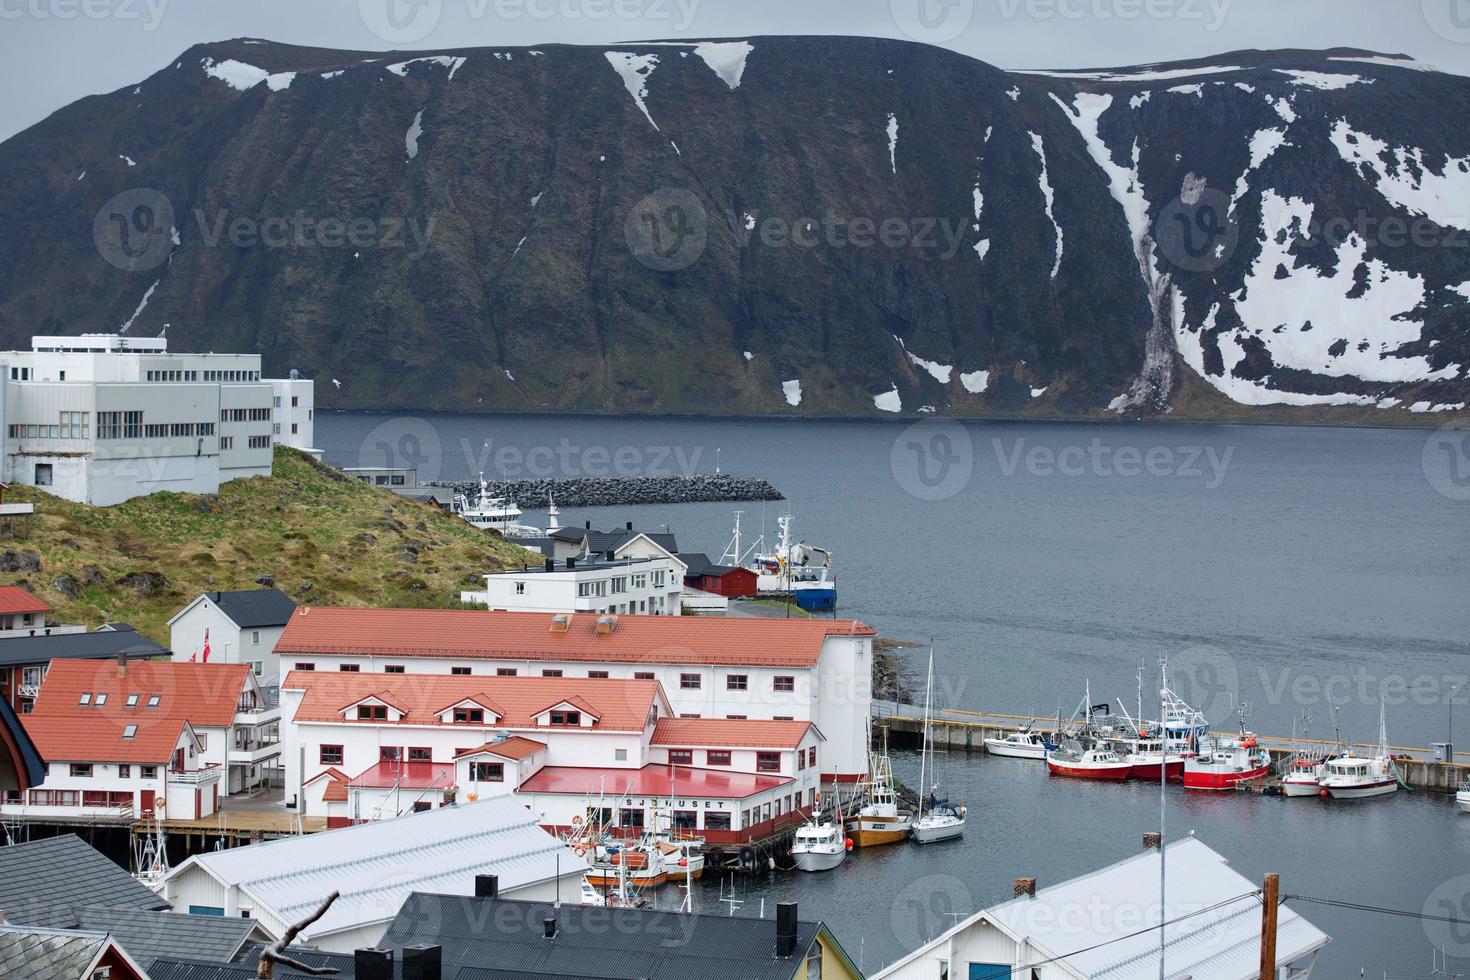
[819, 844]
[937, 819]
[1023, 744]
[1354, 777]
[493, 513]
[1462, 798]
[1303, 770]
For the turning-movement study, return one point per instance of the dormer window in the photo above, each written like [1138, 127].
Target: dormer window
[566, 719]
[372, 712]
[469, 716]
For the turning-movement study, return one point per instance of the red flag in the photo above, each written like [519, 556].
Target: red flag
[206, 646]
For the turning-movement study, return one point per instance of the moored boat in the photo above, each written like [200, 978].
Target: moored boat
[1303, 777]
[937, 819]
[1024, 744]
[1462, 798]
[493, 513]
[1077, 762]
[1352, 776]
[879, 820]
[1148, 759]
[819, 844]
[1225, 760]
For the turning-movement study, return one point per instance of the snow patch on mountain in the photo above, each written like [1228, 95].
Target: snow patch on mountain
[975, 382]
[1405, 180]
[1196, 90]
[634, 70]
[893, 142]
[242, 77]
[1408, 63]
[141, 306]
[1323, 81]
[792, 391]
[1264, 143]
[442, 60]
[1050, 196]
[940, 372]
[411, 138]
[726, 59]
[888, 401]
[1134, 76]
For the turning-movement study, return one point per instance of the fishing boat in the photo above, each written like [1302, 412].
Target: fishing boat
[1301, 772]
[1148, 759]
[1462, 798]
[795, 570]
[1354, 777]
[493, 513]
[937, 819]
[819, 844]
[1077, 761]
[879, 820]
[1225, 760]
[616, 896]
[1023, 744]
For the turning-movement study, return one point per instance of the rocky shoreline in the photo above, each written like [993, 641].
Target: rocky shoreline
[622, 491]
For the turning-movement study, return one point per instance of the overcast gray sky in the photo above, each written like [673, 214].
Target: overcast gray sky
[55, 51]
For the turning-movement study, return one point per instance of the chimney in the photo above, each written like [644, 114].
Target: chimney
[372, 964]
[628, 526]
[422, 962]
[551, 564]
[1023, 888]
[571, 563]
[560, 623]
[1153, 841]
[605, 625]
[487, 886]
[548, 927]
[122, 663]
[785, 929]
[588, 526]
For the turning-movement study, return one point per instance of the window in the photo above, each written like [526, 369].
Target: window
[226, 443]
[783, 718]
[551, 673]
[459, 671]
[520, 588]
[487, 772]
[768, 762]
[131, 731]
[686, 819]
[153, 700]
[681, 757]
[643, 675]
[393, 668]
[132, 425]
[86, 698]
[811, 756]
[421, 806]
[620, 755]
[81, 770]
[30, 677]
[74, 425]
[597, 673]
[716, 821]
[151, 772]
[737, 682]
[630, 817]
[620, 585]
[417, 753]
[255, 637]
[505, 671]
[689, 682]
[566, 719]
[785, 683]
[717, 757]
[814, 964]
[469, 716]
[132, 700]
[389, 753]
[372, 712]
[101, 699]
[305, 666]
[43, 474]
[350, 668]
[260, 442]
[330, 755]
[735, 717]
[109, 425]
[124, 771]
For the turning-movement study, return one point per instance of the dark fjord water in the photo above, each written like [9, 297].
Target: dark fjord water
[1289, 568]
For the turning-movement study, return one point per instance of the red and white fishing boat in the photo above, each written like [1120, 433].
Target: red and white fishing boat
[1094, 763]
[1146, 757]
[1354, 777]
[1225, 760]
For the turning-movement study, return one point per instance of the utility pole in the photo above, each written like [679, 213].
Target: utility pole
[1269, 893]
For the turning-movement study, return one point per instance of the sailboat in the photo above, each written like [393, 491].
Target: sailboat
[879, 821]
[938, 819]
[1353, 777]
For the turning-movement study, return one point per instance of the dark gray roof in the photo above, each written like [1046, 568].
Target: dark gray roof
[30, 758]
[604, 541]
[699, 564]
[33, 953]
[254, 608]
[148, 935]
[43, 882]
[594, 942]
[98, 645]
[244, 968]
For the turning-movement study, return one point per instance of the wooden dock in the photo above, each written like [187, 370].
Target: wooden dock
[967, 730]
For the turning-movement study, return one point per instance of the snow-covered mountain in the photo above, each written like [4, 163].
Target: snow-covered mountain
[793, 225]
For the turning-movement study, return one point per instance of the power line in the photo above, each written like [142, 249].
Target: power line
[1356, 907]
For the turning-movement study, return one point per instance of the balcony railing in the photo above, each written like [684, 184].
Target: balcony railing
[195, 777]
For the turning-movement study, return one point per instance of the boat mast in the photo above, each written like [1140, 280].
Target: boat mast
[924, 748]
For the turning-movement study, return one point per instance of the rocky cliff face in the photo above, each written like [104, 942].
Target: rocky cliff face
[778, 225]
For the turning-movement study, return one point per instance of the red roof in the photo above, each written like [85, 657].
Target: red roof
[14, 599]
[481, 633]
[514, 748]
[406, 775]
[65, 730]
[620, 705]
[653, 780]
[730, 733]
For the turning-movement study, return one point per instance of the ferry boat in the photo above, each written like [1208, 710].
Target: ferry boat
[1024, 744]
[937, 819]
[819, 844]
[1098, 762]
[1225, 760]
[493, 513]
[879, 821]
[1353, 777]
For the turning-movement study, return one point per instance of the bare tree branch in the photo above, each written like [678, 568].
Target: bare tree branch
[276, 951]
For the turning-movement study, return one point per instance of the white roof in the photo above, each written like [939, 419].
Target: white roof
[377, 865]
[1100, 921]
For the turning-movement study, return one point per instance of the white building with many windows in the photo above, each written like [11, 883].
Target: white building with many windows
[648, 586]
[102, 418]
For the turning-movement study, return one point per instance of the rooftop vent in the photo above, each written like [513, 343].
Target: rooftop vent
[606, 624]
[548, 927]
[560, 623]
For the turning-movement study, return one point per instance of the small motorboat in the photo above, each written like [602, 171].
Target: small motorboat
[1303, 777]
[1091, 763]
[1462, 798]
[819, 844]
[1354, 777]
[1024, 744]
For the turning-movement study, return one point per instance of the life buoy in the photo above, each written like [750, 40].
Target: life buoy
[579, 849]
[576, 820]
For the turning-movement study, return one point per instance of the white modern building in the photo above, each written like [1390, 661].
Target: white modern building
[102, 418]
[375, 867]
[1098, 926]
[817, 670]
[646, 586]
[293, 412]
[234, 627]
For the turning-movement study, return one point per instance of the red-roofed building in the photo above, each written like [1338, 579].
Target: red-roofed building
[816, 670]
[122, 738]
